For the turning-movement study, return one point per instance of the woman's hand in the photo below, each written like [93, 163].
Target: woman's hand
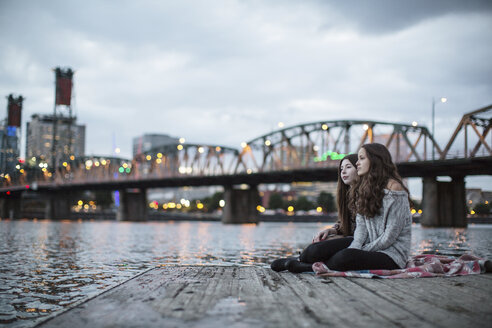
[324, 234]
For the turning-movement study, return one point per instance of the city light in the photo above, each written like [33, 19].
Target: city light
[324, 127]
[182, 140]
[65, 164]
[280, 124]
[414, 124]
[180, 147]
[319, 209]
[267, 143]
[222, 203]
[159, 155]
[244, 144]
[290, 208]
[148, 157]
[117, 150]
[365, 127]
[333, 155]
[217, 149]
[200, 150]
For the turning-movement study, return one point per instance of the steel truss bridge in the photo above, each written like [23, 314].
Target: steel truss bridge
[303, 152]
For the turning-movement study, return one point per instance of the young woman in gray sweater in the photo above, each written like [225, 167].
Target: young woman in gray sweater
[383, 222]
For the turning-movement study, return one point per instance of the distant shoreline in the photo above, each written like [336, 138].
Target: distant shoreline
[161, 216]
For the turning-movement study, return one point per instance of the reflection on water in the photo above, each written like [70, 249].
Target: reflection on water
[46, 266]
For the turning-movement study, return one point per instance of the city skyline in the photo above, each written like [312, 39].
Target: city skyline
[228, 73]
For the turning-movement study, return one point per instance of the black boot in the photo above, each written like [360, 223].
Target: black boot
[281, 264]
[298, 267]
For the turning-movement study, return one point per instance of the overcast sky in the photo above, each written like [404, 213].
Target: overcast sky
[223, 72]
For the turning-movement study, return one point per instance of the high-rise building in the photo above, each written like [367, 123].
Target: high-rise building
[10, 133]
[70, 138]
[147, 141]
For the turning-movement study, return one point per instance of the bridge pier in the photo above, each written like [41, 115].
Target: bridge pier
[11, 207]
[133, 205]
[58, 206]
[240, 205]
[444, 203]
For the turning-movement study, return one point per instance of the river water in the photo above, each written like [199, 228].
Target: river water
[46, 266]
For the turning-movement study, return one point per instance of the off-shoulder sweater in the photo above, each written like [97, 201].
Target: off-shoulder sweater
[390, 231]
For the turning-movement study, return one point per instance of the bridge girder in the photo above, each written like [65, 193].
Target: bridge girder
[310, 144]
[478, 119]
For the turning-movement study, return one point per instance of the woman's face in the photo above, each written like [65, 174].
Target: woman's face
[348, 172]
[363, 163]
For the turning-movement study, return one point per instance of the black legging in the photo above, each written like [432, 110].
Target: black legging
[338, 257]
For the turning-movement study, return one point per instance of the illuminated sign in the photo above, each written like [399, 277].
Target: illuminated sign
[333, 155]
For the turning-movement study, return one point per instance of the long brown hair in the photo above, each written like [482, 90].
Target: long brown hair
[366, 197]
[342, 198]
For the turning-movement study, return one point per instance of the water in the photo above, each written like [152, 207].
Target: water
[46, 266]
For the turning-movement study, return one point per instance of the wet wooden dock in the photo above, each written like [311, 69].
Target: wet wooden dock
[214, 296]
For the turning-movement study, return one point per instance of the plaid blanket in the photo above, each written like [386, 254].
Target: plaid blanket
[426, 265]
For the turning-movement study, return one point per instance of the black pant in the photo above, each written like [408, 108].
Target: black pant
[338, 257]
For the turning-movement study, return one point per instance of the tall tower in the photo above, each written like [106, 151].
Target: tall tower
[10, 135]
[62, 111]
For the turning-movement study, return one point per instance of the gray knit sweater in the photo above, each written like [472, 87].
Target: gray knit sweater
[390, 231]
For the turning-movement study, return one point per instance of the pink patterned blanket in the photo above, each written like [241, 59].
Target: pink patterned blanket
[418, 266]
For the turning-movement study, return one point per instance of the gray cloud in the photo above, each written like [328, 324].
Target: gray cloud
[388, 16]
[229, 72]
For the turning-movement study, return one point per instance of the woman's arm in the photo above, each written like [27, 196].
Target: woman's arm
[396, 218]
[360, 234]
[324, 234]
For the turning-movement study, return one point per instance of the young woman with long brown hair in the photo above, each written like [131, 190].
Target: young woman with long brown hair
[383, 234]
[343, 230]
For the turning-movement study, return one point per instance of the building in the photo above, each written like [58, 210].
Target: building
[10, 132]
[147, 141]
[9, 150]
[70, 138]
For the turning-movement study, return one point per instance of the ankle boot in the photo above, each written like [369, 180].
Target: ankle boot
[281, 264]
[298, 267]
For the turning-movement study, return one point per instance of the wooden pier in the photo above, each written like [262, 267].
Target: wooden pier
[216, 296]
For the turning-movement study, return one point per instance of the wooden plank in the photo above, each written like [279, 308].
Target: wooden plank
[392, 311]
[215, 296]
[428, 300]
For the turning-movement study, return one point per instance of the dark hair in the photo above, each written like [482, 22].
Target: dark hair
[342, 198]
[366, 197]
